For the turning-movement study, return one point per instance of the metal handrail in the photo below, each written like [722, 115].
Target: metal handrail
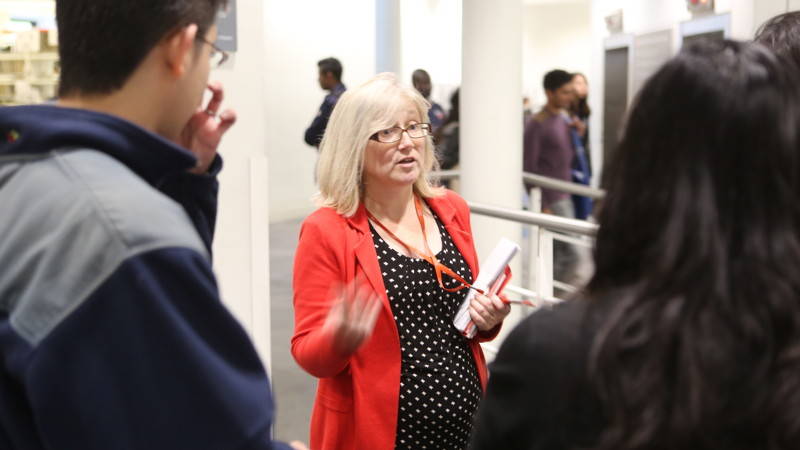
[542, 301]
[541, 181]
[445, 174]
[562, 186]
[547, 221]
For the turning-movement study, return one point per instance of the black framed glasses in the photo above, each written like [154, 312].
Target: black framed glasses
[218, 56]
[394, 134]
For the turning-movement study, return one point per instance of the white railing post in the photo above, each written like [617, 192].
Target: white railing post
[532, 241]
[544, 269]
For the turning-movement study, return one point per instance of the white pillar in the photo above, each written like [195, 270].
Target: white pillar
[241, 240]
[388, 48]
[491, 118]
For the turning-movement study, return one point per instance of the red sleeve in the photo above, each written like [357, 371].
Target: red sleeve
[318, 267]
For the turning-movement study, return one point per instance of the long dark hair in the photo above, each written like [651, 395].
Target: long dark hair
[580, 106]
[696, 289]
[452, 116]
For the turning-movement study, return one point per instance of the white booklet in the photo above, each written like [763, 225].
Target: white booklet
[490, 278]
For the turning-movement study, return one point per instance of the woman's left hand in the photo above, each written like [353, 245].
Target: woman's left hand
[488, 311]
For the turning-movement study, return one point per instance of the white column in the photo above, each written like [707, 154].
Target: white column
[491, 118]
[241, 241]
[388, 46]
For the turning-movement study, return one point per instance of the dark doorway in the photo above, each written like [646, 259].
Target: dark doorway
[714, 35]
[616, 98]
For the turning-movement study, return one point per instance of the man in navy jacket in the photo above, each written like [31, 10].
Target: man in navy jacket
[330, 79]
[112, 333]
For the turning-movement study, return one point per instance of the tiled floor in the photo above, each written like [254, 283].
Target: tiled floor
[294, 389]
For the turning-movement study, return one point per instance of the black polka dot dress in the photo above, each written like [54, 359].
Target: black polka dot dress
[439, 384]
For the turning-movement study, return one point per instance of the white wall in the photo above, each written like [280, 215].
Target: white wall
[43, 11]
[555, 36]
[764, 9]
[297, 34]
[647, 16]
[241, 243]
[431, 40]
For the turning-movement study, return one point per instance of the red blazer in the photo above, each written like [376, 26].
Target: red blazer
[357, 395]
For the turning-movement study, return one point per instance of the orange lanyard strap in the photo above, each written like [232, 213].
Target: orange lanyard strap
[438, 267]
[428, 255]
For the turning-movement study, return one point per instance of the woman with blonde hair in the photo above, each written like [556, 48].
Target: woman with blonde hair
[380, 271]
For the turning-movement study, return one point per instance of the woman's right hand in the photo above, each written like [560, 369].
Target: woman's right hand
[353, 315]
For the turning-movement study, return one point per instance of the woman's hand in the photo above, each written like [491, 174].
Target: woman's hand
[487, 312]
[352, 318]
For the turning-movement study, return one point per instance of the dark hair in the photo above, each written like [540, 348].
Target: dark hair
[102, 42]
[331, 65]
[452, 116]
[555, 79]
[454, 108]
[696, 290]
[781, 34]
[580, 106]
[420, 75]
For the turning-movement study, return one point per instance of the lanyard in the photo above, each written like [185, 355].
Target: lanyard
[428, 256]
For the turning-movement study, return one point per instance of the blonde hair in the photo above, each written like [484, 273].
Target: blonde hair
[360, 113]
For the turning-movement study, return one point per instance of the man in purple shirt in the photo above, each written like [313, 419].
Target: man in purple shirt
[548, 151]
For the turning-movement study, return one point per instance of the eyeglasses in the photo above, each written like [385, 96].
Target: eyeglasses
[394, 134]
[217, 55]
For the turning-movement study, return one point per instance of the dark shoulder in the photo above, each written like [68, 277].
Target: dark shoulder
[556, 333]
[539, 394]
[542, 116]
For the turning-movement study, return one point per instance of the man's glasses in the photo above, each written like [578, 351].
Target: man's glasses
[394, 134]
[217, 55]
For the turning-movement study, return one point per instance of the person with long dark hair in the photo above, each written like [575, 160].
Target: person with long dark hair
[688, 334]
[579, 112]
[446, 137]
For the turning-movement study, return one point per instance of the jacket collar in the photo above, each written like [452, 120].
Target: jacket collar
[439, 205]
[365, 250]
[39, 129]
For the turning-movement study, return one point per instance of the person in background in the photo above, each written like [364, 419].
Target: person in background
[580, 111]
[112, 331]
[447, 136]
[373, 320]
[549, 150]
[582, 165]
[527, 112]
[330, 79]
[422, 83]
[687, 336]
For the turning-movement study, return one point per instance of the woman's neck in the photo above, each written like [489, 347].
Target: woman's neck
[390, 204]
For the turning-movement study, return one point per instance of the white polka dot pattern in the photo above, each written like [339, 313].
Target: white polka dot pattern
[439, 384]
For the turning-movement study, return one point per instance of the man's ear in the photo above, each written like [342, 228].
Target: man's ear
[178, 50]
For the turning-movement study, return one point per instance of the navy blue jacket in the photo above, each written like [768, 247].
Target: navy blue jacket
[316, 130]
[436, 115]
[112, 333]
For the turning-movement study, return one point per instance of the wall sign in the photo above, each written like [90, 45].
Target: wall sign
[700, 6]
[226, 27]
